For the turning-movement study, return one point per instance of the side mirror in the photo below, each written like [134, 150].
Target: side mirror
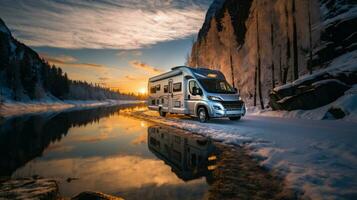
[199, 91]
[196, 91]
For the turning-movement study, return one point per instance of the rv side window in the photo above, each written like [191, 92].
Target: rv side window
[177, 87]
[157, 87]
[191, 85]
[152, 90]
[166, 88]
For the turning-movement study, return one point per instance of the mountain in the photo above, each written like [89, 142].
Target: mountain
[24, 76]
[295, 39]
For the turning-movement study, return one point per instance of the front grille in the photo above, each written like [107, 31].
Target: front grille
[232, 105]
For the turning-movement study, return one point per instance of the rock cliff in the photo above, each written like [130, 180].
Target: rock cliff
[262, 44]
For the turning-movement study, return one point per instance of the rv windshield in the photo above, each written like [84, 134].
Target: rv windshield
[217, 86]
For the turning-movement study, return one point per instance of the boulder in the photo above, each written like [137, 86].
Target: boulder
[319, 89]
[309, 97]
[29, 188]
[89, 195]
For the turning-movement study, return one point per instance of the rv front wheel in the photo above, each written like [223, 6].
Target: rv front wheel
[202, 114]
[162, 113]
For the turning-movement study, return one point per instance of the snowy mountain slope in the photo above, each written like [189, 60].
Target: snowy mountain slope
[25, 76]
[316, 158]
[3, 28]
[22, 71]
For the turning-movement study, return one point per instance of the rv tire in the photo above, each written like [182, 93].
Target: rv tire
[202, 114]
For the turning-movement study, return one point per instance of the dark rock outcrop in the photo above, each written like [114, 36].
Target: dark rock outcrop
[89, 195]
[29, 188]
[308, 96]
[314, 91]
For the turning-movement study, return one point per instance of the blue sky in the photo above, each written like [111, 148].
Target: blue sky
[119, 44]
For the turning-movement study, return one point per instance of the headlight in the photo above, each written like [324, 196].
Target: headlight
[239, 98]
[213, 98]
[217, 107]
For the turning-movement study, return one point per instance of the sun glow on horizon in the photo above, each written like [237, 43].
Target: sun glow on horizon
[142, 90]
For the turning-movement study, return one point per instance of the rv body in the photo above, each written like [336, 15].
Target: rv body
[199, 92]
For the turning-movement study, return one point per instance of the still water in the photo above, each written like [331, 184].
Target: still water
[103, 150]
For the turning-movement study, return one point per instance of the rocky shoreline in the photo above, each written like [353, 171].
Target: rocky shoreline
[43, 189]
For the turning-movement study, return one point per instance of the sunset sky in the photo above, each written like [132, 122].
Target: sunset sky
[119, 44]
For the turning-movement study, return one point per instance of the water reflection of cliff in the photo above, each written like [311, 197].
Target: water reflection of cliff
[189, 156]
[26, 137]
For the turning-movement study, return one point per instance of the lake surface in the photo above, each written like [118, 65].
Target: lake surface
[103, 150]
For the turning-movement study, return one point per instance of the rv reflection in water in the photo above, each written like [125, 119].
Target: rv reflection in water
[189, 156]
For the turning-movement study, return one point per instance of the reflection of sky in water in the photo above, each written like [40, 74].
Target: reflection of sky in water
[112, 157]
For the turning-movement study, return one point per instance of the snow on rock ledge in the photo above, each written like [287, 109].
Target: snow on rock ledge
[319, 89]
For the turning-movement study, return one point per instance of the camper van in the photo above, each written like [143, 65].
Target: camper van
[198, 92]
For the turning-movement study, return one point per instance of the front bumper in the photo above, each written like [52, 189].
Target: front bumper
[218, 110]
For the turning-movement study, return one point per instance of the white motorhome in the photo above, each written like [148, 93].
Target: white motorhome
[199, 92]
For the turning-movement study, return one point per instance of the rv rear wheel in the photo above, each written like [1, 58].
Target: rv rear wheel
[234, 118]
[202, 115]
[162, 113]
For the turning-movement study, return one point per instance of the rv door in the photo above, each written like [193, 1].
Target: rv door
[192, 97]
[170, 97]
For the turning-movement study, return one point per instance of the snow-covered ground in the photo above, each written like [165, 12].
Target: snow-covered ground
[9, 108]
[316, 157]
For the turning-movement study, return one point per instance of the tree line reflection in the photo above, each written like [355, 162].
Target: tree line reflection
[24, 138]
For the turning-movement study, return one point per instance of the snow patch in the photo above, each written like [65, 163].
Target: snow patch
[8, 109]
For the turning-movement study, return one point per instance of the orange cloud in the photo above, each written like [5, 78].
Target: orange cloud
[141, 139]
[63, 60]
[144, 66]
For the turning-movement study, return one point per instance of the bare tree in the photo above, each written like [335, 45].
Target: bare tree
[288, 53]
[272, 52]
[280, 67]
[295, 47]
[232, 68]
[259, 65]
[255, 85]
[309, 64]
[187, 59]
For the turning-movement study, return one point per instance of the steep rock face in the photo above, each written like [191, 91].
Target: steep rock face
[294, 38]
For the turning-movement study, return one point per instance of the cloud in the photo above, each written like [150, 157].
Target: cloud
[144, 66]
[103, 78]
[69, 61]
[131, 78]
[126, 53]
[125, 24]
[141, 139]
